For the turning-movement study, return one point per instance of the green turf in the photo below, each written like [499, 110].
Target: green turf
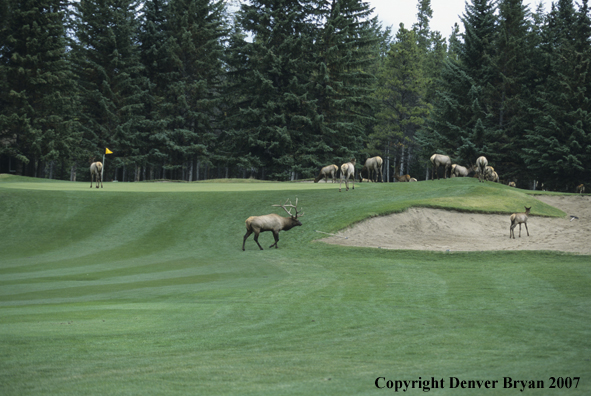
[142, 288]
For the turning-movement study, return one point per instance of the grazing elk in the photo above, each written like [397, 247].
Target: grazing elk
[440, 160]
[329, 170]
[512, 184]
[518, 218]
[96, 171]
[481, 164]
[490, 174]
[580, 189]
[460, 171]
[272, 222]
[373, 166]
[348, 171]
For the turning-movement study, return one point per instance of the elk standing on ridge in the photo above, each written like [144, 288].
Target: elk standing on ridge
[481, 164]
[96, 171]
[372, 166]
[348, 171]
[272, 222]
[518, 218]
[329, 170]
[440, 160]
[460, 171]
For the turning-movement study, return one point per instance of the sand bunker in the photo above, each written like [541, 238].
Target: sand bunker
[441, 230]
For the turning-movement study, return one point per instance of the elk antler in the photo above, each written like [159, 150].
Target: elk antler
[290, 205]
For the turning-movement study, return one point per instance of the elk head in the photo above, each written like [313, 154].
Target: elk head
[293, 216]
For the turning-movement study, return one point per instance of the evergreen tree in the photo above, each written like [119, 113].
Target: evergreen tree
[154, 54]
[37, 95]
[462, 124]
[559, 145]
[191, 82]
[344, 50]
[401, 90]
[112, 82]
[512, 87]
[421, 27]
[273, 113]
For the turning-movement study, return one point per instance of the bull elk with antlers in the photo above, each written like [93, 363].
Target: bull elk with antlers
[272, 222]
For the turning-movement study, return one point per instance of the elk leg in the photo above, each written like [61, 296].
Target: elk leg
[256, 239]
[248, 232]
[519, 230]
[526, 228]
[276, 236]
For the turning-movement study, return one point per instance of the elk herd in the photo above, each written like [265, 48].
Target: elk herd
[373, 167]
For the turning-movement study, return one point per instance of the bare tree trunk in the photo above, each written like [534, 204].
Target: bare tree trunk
[191, 171]
[387, 169]
[402, 160]
[137, 173]
[197, 171]
[409, 158]
[73, 172]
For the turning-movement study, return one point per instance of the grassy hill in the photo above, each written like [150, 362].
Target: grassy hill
[142, 288]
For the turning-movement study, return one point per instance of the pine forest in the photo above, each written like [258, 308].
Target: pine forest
[276, 89]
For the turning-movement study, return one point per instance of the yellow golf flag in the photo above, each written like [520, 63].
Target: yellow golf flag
[107, 151]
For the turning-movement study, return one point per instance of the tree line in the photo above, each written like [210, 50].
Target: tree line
[193, 89]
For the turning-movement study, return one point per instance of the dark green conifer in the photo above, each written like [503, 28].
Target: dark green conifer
[112, 83]
[37, 92]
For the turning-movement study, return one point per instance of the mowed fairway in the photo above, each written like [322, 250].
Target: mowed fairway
[143, 289]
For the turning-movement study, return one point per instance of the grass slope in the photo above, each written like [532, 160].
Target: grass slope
[141, 288]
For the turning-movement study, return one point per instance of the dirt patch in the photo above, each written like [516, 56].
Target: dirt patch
[442, 230]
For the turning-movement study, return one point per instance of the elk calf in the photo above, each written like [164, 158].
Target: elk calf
[518, 218]
[272, 222]
[96, 171]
